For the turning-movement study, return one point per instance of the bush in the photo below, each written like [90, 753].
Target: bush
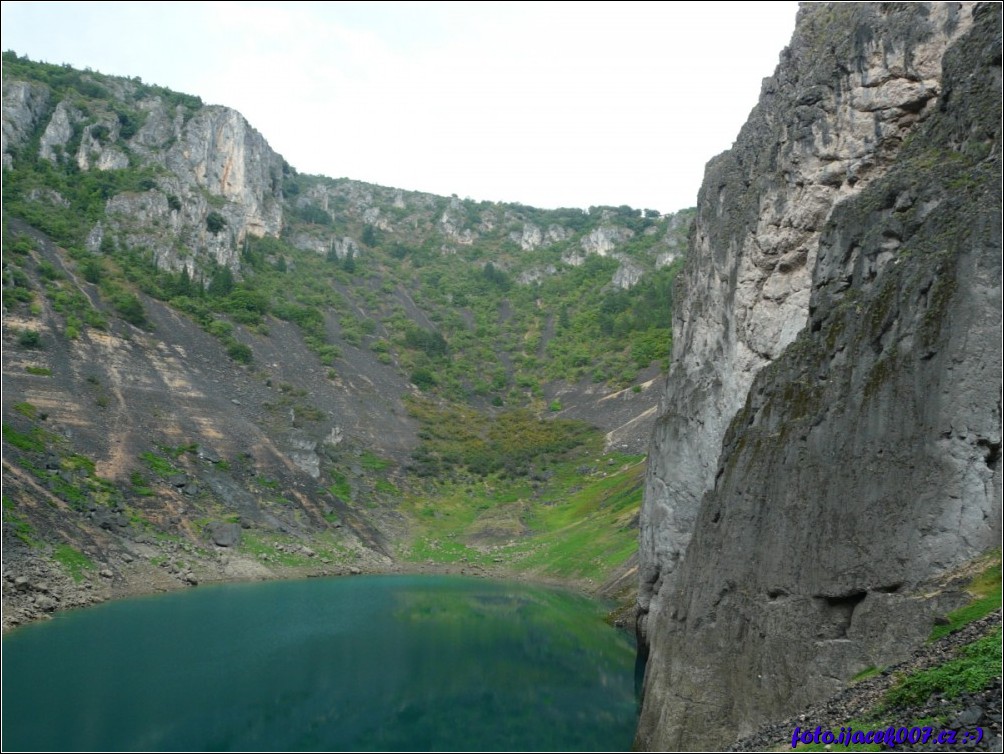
[239, 352]
[92, 271]
[130, 309]
[29, 339]
[423, 379]
[215, 222]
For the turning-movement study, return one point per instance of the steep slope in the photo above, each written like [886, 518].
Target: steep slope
[218, 367]
[830, 441]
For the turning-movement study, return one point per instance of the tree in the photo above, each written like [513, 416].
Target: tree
[369, 237]
[349, 264]
[215, 222]
[222, 282]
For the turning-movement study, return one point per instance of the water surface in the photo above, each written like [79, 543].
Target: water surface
[364, 663]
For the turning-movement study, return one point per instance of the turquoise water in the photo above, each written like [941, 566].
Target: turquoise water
[364, 663]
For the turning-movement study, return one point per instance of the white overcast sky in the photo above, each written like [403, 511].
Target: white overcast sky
[563, 104]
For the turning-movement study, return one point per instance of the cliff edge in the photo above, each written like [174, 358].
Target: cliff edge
[829, 440]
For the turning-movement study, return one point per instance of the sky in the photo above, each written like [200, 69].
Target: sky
[547, 104]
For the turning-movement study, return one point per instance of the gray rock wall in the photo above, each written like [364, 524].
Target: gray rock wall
[215, 162]
[830, 434]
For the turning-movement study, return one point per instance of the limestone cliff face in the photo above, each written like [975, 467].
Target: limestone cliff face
[23, 105]
[216, 162]
[830, 434]
[204, 159]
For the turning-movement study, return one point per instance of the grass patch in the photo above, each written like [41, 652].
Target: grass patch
[26, 409]
[38, 371]
[157, 464]
[979, 663]
[386, 488]
[868, 672]
[986, 591]
[22, 528]
[591, 533]
[373, 462]
[264, 550]
[31, 441]
[139, 484]
[267, 482]
[571, 522]
[341, 487]
[73, 561]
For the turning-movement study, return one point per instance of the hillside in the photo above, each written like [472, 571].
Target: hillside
[218, 367]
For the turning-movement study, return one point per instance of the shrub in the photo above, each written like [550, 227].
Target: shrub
[29, 339]
[239, 352]
[129, 308]
[423, 379]
[215, 222]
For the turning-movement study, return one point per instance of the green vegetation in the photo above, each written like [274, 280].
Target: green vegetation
[29, 339]
[158, 464]
[26, 409]
[372, 462]
[456, 437]
[215, 222]
[22, 528]
[32, 441]
[986, 591]
[73, 561]
[38, 371]
[487, 318]
[868, 672]
[341, 487]
[566, 525]
[980, 663]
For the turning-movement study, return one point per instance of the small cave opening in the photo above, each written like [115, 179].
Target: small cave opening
[992, 456]
[836, 612]
[890, 588]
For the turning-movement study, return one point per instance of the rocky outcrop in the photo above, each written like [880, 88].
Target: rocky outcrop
[829, 439]
[220, 152]
[24, 104]
[605, 239]
[215, 163]
[58, 132]
[628, 274]
[531, 236]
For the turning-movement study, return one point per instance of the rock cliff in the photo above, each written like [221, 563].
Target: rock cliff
[199, 160]
[829, 440]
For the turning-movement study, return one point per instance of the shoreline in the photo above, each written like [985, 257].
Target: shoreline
[38, 597]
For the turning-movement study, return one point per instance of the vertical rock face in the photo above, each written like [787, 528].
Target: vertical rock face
[199, 160]
[830, 434]
[216, 163]
[23, 105]
[224, 155]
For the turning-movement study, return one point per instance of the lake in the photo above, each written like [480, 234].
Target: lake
[363, 663]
